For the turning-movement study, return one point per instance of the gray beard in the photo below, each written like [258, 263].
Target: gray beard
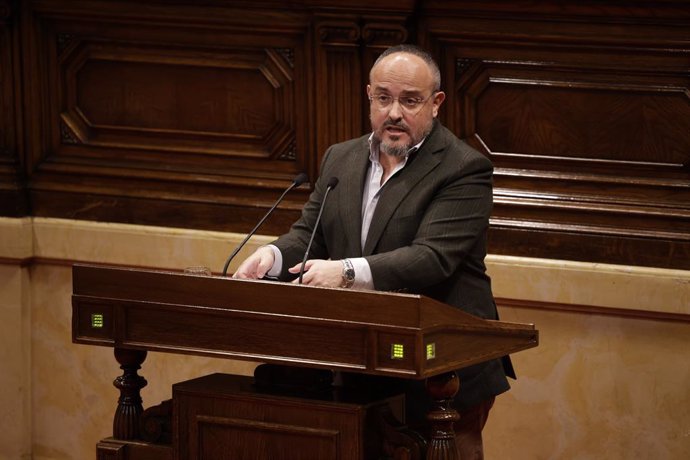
[395, 151]
[400, 152]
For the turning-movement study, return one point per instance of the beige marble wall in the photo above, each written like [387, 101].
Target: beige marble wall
[58, 399]
[15, 363]
[598, 386]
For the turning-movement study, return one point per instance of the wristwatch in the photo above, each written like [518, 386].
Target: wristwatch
[348, 274]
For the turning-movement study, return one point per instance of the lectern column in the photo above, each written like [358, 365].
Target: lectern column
[443, 389]
[129, 405]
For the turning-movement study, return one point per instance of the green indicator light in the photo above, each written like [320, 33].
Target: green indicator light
[397, 351]
[430, 351]
[97, 320]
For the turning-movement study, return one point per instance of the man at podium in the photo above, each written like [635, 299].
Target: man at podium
[410, 212]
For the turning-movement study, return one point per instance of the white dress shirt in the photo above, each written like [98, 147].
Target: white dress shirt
[372, 191]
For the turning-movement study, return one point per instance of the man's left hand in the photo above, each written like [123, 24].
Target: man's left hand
[319, 272]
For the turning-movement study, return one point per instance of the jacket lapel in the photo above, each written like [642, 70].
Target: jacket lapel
[403, 183]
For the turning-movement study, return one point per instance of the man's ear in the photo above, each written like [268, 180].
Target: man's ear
[439, 97]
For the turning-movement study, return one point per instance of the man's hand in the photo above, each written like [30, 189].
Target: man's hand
[319, 272]
[257, 265]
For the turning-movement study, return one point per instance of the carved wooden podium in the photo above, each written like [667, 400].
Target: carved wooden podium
[387, 334]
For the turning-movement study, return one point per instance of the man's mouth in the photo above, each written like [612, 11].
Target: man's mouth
[395, 129]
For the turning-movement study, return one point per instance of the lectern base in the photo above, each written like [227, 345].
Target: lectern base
[112, 449]
[221, 416]
[224, 416]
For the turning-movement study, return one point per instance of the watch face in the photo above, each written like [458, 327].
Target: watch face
[348, 273]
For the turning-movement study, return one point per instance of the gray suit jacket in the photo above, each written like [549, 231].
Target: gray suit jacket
[427, 236]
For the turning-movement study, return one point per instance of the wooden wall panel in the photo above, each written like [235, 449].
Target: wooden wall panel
[339, 98]
[13, 196]
[346, 48]
[198, 114]
[225, 102]
[183, 111]
[588, 129]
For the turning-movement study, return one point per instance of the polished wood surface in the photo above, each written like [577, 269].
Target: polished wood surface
[370, 332]
[201, 118]
[376, 333]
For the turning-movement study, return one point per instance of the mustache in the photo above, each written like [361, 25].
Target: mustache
[397, 124]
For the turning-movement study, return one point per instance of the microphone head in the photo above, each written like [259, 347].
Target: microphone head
[332, 182]
[300, 179]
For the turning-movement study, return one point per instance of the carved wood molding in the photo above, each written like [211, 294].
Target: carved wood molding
[338, 32]
[362, 31]
[67, 136]
[153, 81]
[462, 65]
[384, 35]
[63, 41]
[290, 153]
[288, 54]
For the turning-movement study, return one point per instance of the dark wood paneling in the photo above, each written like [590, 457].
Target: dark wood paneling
[346, 48]
[204, 106]
[225, 213]
[232, 102]
[587, 125]
[13, 197]
[198, 114]
[223, 416]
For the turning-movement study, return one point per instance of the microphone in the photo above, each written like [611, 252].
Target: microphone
[299, 180]
[332, 182]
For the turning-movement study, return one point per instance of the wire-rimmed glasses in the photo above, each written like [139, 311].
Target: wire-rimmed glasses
[408, 104]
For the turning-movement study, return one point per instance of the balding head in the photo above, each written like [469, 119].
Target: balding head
[413, 51]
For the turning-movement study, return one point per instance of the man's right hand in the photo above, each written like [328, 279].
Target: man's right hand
[257, 265]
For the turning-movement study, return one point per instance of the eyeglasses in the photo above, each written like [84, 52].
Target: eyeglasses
[409, 104]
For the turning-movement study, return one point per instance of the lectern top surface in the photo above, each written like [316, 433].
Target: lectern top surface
[267, 297]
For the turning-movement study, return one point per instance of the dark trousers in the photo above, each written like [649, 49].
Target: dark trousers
[468, 430]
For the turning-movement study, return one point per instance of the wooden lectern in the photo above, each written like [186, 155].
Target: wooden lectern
[377, 333]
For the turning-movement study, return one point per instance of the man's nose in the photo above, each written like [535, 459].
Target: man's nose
[395, 112]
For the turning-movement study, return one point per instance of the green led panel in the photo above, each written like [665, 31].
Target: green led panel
[430, 350]
[397, 351]
[96, 320]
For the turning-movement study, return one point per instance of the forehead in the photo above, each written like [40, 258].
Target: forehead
[401, 71]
